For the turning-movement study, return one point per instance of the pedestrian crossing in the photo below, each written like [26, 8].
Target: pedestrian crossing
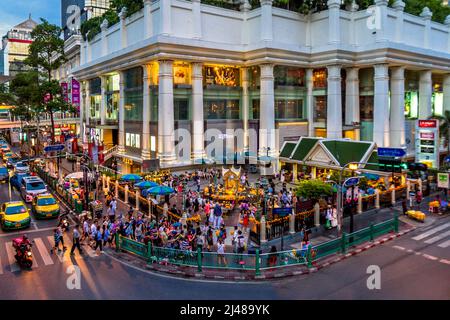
[42, 256]
[439, 235]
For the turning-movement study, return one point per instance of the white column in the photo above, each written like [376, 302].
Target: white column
[166, 17]
[121, 147]
[267, 111]
[116, 189]
[352, 98]
[148, 23]
[446, 89]
[88, 106]
[399, 6]
[166, 139]
[198, 145]
[426, 15]
[123, 28]
[104, 88]
[104, 28]
[381, 106]
[82, 52]
[334, 102]
[425, 92]
[397, 125]
[334, 33]
[310, 101]
[245, 106]
[88, 50]
[126, 193]
[266, 20]
[197, 19]
[262, 233]
[146, 112]
[381, 21]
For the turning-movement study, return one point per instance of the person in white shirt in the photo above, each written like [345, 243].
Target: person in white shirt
[221, 253]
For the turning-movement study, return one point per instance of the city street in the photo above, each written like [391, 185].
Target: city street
[412, 267]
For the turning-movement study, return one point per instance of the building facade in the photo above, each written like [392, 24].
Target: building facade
[273, 74]
[15, 47]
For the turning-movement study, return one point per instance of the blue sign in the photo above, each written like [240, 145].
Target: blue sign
[282, 212]
[351, 182]
[55, 147]
[391, 152]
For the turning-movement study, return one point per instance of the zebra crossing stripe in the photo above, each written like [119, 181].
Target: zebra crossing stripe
[43, 251]
[13, 266]
[60, 256]
[432, 231]
[444, 244]
[439, 237]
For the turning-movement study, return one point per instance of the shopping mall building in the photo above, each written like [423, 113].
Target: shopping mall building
[177, 64]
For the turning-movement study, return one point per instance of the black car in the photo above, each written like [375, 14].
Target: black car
[16, 180]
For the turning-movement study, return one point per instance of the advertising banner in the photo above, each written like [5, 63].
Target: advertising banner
[65, 91]
[443, 180]
[76, 94]
[427, 142]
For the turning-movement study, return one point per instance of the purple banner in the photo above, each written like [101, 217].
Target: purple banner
[65, 91]
[76, 94]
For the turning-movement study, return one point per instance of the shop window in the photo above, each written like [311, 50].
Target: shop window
[181, 109]
[95, 106]
[221, 76]
[132, 140]
[221, 109]
[320, 78]
[112, 106]
[113, 83]
[181, 74]
[411, 104]
[366, 108]
[289, 76]
[254, 76]
[320, 108]
[95, 86]
[289, 109]
[133, 105]
[438, 103]
[134, 78]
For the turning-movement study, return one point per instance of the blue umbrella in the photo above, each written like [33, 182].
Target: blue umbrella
[131, 177]
[146, 184]
[160, 190]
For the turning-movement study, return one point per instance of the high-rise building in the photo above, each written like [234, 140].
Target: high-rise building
[74, 12]
[15, 47]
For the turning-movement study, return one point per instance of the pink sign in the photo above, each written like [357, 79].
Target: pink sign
[427, 135]
[76, 94]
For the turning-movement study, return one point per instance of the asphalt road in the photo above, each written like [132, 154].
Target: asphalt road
[415, 266]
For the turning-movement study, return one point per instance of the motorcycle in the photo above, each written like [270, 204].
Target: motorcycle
[24, 256]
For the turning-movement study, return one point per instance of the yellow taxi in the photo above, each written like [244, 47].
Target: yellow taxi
[45, 206]
[14, 215]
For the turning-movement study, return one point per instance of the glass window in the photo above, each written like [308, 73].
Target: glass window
[134, 78]
[221, 76]
[133, 105]
[411, 104]
[133, 140]
[366, 108]
[221, 109]
[289, 76]
[289, 109]
[181, 73]
[320, 108]
[46, 201]
[95, 86]
[112, 106]
[320, 78]
[438, 103]
[95, 106]
[255, 109]
[113, 83]
[181, 109]
[254, 76]
[128, 139]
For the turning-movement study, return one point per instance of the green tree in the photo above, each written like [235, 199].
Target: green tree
[46, 54]
[313, 189]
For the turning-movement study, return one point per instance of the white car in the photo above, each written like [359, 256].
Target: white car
[21, 167]
[32, 186]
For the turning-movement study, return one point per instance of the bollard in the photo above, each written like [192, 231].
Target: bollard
[262, 234]
[117, 190]
[359, 203]
[138, 194]
[126, 194]
[292, 223]
[377, 199]
[149, 252]
[393, 197]
[317, 214]
[257, 263]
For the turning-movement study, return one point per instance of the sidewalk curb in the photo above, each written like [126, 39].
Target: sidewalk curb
[192, 272]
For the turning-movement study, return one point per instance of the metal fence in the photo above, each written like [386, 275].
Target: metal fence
[257, 261]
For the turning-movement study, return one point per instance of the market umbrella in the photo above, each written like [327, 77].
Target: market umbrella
[146, 184]
[160, 190]
[371, 176]
[131, 177]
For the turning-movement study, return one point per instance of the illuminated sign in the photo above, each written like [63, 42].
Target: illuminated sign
[128, 161]
[221, 76]
[427, 143]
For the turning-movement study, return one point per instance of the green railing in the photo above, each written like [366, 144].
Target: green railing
[255, 262]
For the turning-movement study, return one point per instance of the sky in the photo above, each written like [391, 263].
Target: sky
[12, 12]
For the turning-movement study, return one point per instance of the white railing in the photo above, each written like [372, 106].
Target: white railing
[110, 152]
